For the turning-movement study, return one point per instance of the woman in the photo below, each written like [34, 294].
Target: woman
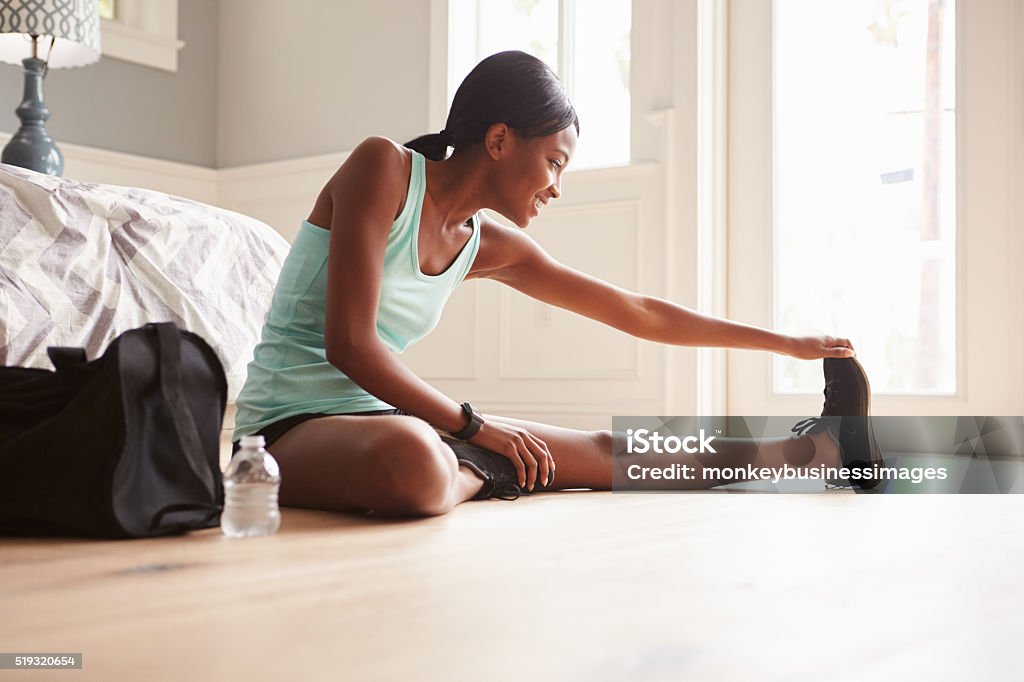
[391, 235]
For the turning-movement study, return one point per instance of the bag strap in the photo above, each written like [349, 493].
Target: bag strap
[64, 356]
[169, 342]
[72, 365]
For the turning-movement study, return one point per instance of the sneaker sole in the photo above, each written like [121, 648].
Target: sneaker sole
[873, 451]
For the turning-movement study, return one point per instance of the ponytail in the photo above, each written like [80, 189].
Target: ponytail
[433, 146]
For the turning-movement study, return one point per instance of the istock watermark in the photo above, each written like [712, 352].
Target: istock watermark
[859, 454]
[643, 440]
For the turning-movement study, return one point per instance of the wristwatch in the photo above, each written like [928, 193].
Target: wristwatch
[475, 422]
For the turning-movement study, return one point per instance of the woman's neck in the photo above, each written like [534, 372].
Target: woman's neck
[455, 187]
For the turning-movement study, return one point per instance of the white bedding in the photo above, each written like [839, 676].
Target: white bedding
[81, 262]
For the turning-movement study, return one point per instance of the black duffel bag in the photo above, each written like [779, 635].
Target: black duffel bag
[123, 446]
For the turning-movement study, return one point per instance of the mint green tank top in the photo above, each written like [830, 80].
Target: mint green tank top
[289, 373]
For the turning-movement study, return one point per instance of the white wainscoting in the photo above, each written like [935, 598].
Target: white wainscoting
[507, 353]
[89, 164]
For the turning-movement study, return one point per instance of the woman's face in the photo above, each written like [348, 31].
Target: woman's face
[531, 173]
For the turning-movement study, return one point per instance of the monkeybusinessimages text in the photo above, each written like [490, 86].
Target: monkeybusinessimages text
[644, 441]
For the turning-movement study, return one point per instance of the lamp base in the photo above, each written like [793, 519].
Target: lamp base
[31, 146]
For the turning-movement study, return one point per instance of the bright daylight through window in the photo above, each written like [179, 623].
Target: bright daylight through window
[865, 187]
[586, 42]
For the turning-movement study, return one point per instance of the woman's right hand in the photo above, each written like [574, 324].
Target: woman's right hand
[815, 347]
[529, 454]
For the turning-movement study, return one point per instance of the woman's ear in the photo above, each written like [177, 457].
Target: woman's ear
[497, 140]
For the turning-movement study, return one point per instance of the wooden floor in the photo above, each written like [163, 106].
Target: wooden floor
[563, 586]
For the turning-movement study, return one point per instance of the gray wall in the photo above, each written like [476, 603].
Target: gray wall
[280, 81]
[131, 108]
[310, 77]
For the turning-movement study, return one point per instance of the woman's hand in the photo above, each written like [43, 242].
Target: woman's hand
[529, 454]
[815, 347]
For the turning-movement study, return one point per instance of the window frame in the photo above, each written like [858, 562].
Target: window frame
[437, 106]
[145, 32]
[990, 162]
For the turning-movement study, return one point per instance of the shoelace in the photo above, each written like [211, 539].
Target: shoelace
[509, 491]
[809, 425]
[806, 426]
[831, 393]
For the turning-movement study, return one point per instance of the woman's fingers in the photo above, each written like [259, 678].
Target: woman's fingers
[844, 348]
[539, 452]
[525, 455]
[534, 454]
[547, 469]
[529, 455]
[842, 343]
[512, 452]
[815, 347]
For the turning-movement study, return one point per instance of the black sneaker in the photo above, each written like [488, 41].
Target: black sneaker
[500, 478]
[846, 414]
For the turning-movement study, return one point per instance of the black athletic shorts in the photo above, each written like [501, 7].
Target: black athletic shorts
[480, 457]
[273, 431]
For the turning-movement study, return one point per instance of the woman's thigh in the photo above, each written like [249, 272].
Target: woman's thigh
[389, 464]
[583, 459]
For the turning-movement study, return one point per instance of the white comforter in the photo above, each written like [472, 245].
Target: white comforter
[80, 263]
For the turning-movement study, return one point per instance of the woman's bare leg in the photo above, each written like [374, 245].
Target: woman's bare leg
[583, 459]
[399, 466]
[393, 465]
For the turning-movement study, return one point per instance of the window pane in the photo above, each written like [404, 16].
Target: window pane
[596, 59]
[865, 186]
[481, 28]
[108, 9]
[600, 81]
[527, 25]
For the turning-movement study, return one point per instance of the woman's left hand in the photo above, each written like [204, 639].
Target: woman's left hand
[815, 347]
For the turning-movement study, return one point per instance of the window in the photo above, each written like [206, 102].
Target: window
[586, 43]
[108, 9]
[865, 161]
[858, 87]
[141, 31]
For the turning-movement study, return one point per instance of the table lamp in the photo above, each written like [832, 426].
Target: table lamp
[69, 32]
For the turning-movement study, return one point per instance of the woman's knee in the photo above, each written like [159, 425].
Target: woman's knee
[416, 469]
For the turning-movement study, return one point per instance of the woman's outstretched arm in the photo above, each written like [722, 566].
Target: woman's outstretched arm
[525, 266]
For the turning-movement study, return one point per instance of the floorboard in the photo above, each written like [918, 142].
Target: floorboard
[563, 586]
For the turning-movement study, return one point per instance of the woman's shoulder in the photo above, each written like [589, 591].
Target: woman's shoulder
[375, 172]
[379, 154]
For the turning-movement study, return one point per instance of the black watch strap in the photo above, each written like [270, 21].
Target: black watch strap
[475, 422]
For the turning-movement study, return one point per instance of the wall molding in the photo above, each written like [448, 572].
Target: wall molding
[103, 166]
[546, 317]
[145, 32]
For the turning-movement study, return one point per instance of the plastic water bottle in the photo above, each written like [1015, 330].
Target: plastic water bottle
[251, 484]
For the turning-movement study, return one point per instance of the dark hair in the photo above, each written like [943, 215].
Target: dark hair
[511, 87]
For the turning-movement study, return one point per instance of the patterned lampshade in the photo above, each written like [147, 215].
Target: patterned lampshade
[74, 23]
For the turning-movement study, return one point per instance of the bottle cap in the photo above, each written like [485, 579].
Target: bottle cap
[253, 441]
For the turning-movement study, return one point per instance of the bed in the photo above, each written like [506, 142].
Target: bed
[82, 262]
